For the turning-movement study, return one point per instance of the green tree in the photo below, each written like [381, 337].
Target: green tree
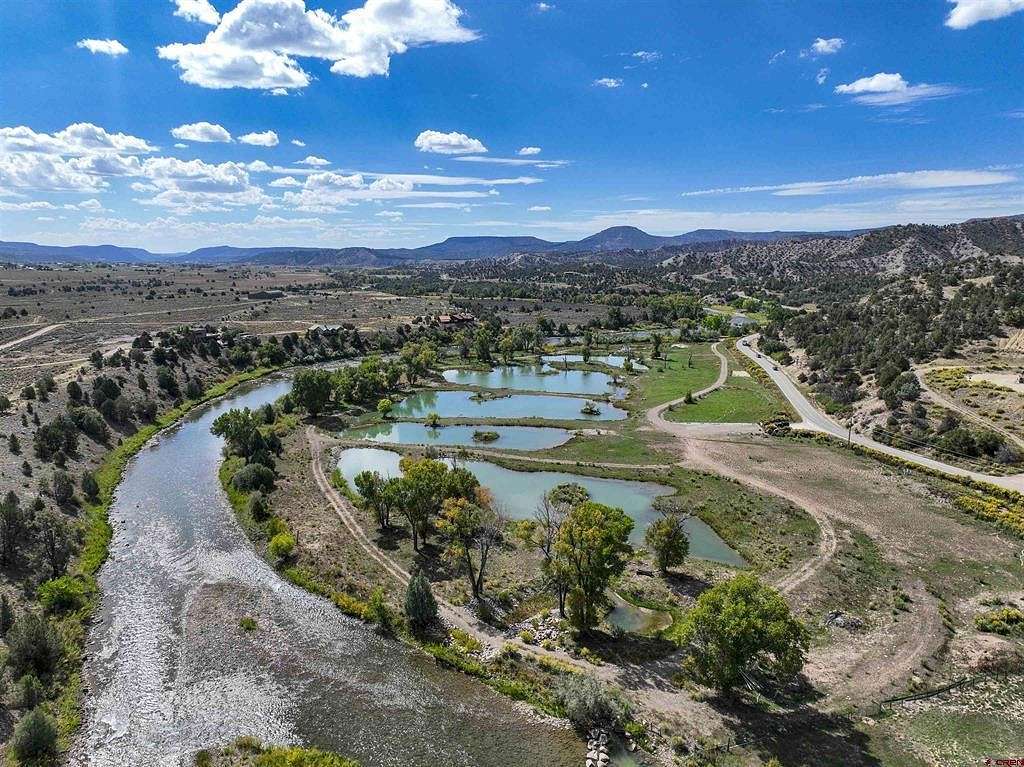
[656, 341]
[482, 343]
[239, 428]
[741, 632]
[35, 739]
[667, 540]
[384, 407]
[593, 547]
[90, 486]
[311, 390]
[379, 612]
[423, 492]
[34, 646]
[14, 523]
[470, 530]
[281, 546]
[507, 347]
[420, 604]
[5, 403]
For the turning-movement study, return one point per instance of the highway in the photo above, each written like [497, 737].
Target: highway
[813, 419]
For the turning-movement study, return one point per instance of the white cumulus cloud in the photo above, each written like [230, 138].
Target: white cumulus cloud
[202, 132]
[528, 150]
[827, 46]
[967, 13]
[197, 10]
[448, 143]
[257, 44]
[891, 89]
[608, 82]
[266, 138]
[103, 47]
[298, 142]
[314, 161]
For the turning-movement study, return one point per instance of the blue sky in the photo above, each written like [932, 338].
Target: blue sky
[173, 124]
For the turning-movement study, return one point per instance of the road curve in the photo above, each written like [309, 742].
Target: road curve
[656, 414]
[812, 419]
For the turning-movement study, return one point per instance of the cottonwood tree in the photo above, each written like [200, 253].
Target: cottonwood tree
[541, 533]
[668, 542]
[593, 547]
[311, 390]
[742, 632]
[470, 531]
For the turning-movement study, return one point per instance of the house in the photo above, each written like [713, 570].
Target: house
[458, 318]
[740, 321]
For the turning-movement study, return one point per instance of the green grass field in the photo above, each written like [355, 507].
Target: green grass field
[741, 399]
[684, 370]
[623, 445]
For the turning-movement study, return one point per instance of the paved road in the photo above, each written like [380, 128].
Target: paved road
[813, 419]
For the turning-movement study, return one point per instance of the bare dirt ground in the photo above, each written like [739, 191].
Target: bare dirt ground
[930, 550]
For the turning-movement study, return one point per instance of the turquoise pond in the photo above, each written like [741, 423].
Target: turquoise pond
[518, 493]
[462, 404]
[612, 360]
[509, 437]
[540, 378]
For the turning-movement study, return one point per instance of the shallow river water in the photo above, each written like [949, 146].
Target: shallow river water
[169, 671]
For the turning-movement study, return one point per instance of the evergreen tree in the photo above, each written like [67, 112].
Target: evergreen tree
[420, 605]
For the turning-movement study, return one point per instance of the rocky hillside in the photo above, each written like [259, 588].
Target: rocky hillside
[894, 249]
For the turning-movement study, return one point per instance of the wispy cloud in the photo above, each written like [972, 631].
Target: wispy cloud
[536, 162]
[103, 47]
[918, 179]
[608, 82]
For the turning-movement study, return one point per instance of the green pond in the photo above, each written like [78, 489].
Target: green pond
[509, 437]
[518, 493]
[461, 404]
[612, 360]
[543, 378]
[633, 619]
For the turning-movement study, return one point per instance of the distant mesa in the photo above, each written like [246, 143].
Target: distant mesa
[996, 236]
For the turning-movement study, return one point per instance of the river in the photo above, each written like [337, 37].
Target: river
[168, 670]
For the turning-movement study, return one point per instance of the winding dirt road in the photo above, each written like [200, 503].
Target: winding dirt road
[689, 441]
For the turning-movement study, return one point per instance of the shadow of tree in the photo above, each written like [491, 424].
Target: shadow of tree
[800, 736]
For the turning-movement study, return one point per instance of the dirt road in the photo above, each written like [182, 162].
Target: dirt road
[35, 334]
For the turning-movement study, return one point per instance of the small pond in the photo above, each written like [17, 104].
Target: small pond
[612, 360]
[462, 404]
[633, 619]
[519, 491]
[543, 378]
[509, 437]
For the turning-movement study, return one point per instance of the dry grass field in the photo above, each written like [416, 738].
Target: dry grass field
[52, 319]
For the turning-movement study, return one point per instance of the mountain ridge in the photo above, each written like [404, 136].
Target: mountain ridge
[872, 247]
[613, 238]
